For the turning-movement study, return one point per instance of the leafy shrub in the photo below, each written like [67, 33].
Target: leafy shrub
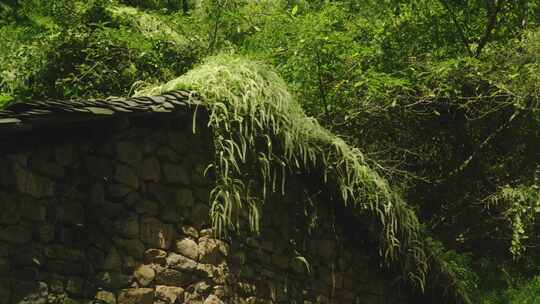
[94, 59]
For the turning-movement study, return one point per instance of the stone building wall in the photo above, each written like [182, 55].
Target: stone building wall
[116, 211]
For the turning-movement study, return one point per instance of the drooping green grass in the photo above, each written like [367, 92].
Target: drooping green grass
[255, 119]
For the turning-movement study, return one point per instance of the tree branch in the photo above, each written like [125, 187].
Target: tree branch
[459, 28]
[493, 11]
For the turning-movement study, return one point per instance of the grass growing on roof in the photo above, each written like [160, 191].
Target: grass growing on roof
[255, 119]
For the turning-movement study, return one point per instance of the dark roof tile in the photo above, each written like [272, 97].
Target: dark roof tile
[28, 114]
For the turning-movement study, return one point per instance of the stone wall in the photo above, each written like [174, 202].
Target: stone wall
[116, 211]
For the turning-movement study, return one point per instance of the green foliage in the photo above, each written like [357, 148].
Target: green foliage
[165, 5]
[521, 208]
[528, 293]
[458, 279]
[103, 53]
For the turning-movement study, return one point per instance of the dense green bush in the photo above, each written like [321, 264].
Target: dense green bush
[103, 51]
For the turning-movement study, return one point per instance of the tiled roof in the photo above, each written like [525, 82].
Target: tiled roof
[30, 114]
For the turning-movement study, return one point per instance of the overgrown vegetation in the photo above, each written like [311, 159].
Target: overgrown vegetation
[440, 96]
[255, 120]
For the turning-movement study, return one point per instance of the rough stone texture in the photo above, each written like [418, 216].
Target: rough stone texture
[155, 233]
[181, 263]
[106, 297]
[188, 248]
[145, 275]
[170, 294]
[118, 212]
[136, 296]
[212, 299]
[212, 251]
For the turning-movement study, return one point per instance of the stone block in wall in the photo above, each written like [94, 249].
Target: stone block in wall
[65, 155]
[128, 226]
[28, 182]
[156, 256]
[113, 261]
[106, 297]
[212, 299]
[25, 273]
[113, 280]
[133, 247]
[175, 174]
[171, 277]
[169, 294]
[45, 233]
[151, 170]
[97, 194]
[109, 209]
[11, 212]
[98, 167]
[163, 195]
[178, 141]
[20, 158]
[181, 263]
[5, 291]
[5, 266]
[184, 198]
[117, 191]
[188, 248]
[212, 251]
[19, 234]
[200, 215]
[49, 169]
[148, 145]
[144, 274]
[64, 267]
[129, 152]
[126, 175]
[170, 213]
[6, 173]
[166, 154]
[4, 250]
[136, 296]
[146, 207]
[71, 212]
[60, 252]
[32, 209]
[156, 234]
[188, 231]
